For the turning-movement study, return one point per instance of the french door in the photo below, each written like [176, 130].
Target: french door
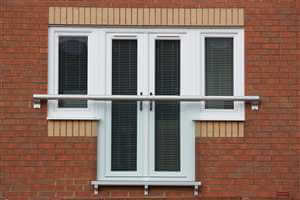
[164, 117]
[144, 140]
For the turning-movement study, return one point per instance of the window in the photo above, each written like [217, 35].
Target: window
[167, 115]
[72, 69]
[221, 73]
[124, 114]
[146, 141]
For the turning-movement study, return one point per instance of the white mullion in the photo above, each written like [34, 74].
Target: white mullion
[140, 113]
[107, 135]
[202, 69]
[101, 70]
[91, 71]
[151, 121]
[144, 79]
[186, 78]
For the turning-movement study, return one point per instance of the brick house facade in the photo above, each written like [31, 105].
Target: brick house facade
[261, 161]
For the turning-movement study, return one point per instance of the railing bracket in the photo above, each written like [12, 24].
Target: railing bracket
[146, 192]
[255, 105]
[36, 103]
[96, 189]
[196, 190]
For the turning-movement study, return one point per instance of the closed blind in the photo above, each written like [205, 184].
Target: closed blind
[219, 71]
[167, 114]
[73, 69]
[124, 114]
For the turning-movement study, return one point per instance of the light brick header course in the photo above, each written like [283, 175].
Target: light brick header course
[146, 16]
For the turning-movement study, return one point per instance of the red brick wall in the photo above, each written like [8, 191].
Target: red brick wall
[260, 165]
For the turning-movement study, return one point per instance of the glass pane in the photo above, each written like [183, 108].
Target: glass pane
[73, 69]
[124, 114]
[219, 71]
[167, 114]
[124, 137]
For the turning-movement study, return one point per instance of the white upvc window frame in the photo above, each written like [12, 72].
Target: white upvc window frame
[106, 166]
[238, 112]
[192, 83]
[186, 167]
[145, 146]
[54, 111]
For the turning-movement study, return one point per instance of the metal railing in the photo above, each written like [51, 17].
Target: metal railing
[146, 184]
[253, 100]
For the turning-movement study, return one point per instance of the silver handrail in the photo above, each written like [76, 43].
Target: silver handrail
[253, 100]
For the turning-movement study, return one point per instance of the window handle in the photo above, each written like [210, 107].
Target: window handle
[151, 102]
[141, 102]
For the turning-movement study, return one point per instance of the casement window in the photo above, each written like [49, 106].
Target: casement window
[222, 73]
[219, 71]
[147, 140]
[70, 71]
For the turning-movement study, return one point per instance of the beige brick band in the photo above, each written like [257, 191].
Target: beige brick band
[72, 128]
[86, 128]
[146, 16]
[219, 129]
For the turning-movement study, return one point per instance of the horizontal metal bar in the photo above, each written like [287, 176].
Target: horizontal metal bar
[255, 99]
[160, 183]
[146, 184]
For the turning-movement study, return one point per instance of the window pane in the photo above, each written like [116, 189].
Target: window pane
[73, 69]
[167, 114]
[219, 71]
[124, 115]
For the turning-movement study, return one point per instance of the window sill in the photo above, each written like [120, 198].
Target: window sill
[72, 118]
[146, 184]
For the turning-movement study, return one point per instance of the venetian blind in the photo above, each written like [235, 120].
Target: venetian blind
[219, 71]
[167, 114]
[73, 69]
[124, 114]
